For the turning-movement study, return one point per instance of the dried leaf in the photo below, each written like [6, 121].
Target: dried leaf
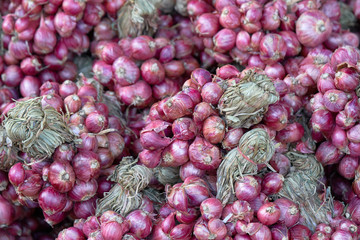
[180, 7]
[137, 17]
[8, 154]
[165, 6]
[347, 17]
[167, 175]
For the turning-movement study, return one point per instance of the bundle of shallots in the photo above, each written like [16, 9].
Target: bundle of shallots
[255, 147]
[300, 186]
[35, 128]
[137, 17]
[125, 196]
[245, 103]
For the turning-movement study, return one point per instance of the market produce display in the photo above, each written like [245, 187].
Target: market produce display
[180, 119]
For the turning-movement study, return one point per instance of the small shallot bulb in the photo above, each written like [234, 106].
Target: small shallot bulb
[341, 234]
[143, 47]
[280, 232]
[289, 212]
[196, 189]
[176, 197]
[327, 153]
[176, 154]
[31, 185]
[51, 201]
[224, 40]
[138, 94]
[313, 28]
[183, 48]
[276, 117]
[227, 72]
[184, 129]
[150, 159]
[346, 79]
[322, 121]
[207, 25]
[293, 132]
[202, 111]
[12, 76]
[272, 183]
[214, 229]
[64, 152]
[270, 18]
[269, 213]
[200, 77]
[30, 86]
[188, 169]
[30, 66]
[64, 24]
[247, 188]
[214, 129]
[211, 208]
[187, 217]
[61, 176]
[272, 48]
[275, 71]
[347, 167]
[230, 17]
[140, 223]
[83, 191]
[280, 163]
[243, 40]
[71, 233]
[153, 136]
[126, 72]
[353, 134]
[44, 39]
[232, 138]
[91, 224]
[258, 231]
[67, 88]
[174, 68]
[86, 165]
[325, 83]
[167, 53]
[110, 52]
[196, 8]
[204, 155]
[96, 122]
[339, 139]
[72, 103]
[112, 230]
[53, 100]
[293, 47]
[300, 232]
[152, 71]
[211, 93]
[335, 100]
[17, 174]
[178, 106]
